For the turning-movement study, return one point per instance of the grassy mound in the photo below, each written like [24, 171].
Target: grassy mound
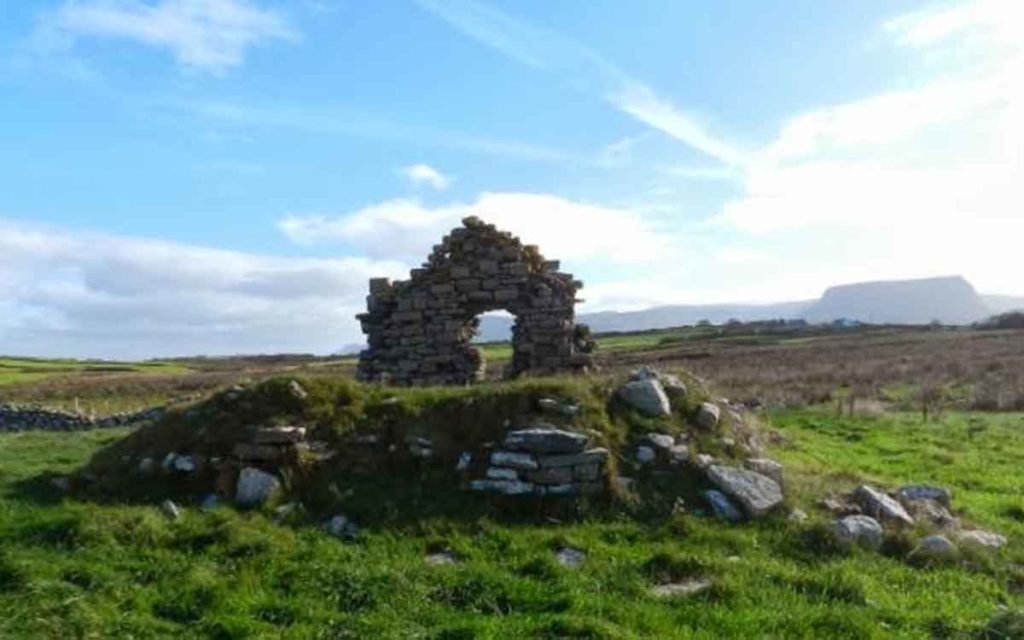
[365, 431]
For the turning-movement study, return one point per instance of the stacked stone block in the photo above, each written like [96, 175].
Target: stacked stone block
[544, 461]
[419, 331]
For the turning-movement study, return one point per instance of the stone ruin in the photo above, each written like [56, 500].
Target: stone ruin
[419, 330]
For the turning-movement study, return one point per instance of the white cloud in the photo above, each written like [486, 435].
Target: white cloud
[406, 229]
[424, 174]
[932, 175]
[211, 35]
[80, 294]
[579, 65]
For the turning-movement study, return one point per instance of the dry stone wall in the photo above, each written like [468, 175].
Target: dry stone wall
[419, 330]
[28, 418]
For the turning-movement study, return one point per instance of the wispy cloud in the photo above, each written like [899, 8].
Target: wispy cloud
[346, 121]
[210, 35]
[424, 174]
[578, 65]
[405, 229]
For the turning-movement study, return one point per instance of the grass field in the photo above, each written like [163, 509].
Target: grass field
[22, 370]
[72, 569]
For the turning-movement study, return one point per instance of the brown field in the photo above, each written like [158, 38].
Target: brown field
[969, 368]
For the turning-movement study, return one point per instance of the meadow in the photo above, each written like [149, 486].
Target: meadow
[81, 566]
[71, 568]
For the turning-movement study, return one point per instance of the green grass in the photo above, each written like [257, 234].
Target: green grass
[24, 370]
[81, 569]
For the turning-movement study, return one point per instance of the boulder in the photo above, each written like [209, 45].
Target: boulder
[766, 467]
[918, 492]
[881, 506]
[863, 531]
[184, 464]
[645, 455]
[981, 539]
[721, 506]
[679, 454]
[674, 388]
[571, 558]
[661, 441]
[757, 494]
[936, 547]
[707, 416]
[545, 440]
[931, 512]
[646, 396]
[255, 487]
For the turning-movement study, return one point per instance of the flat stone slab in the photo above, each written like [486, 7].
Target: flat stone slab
[514, 460]
[757, 494]
[591, 456]
[682, 589]
[918, 492]
[504, 487]
[766, 467]
[279, 435]
[879, 505]
[546, 440]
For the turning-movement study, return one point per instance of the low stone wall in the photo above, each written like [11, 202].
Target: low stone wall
[27, 418]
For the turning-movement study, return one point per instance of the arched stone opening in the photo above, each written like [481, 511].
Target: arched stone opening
[419, 331]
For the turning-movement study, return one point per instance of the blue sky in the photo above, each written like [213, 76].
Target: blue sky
[186, 176]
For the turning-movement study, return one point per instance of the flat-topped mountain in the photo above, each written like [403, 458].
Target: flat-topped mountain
[950, 300]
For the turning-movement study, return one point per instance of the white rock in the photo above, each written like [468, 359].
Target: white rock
[506, 487]
[704, 460]
[646, 396]
[184, 464]
[465, 459]
[645, 455]
[766, 467]
[881, 506]
[679, 453]
[681, 589]
[440, 558]
[708, 416]
[255, 487]
[170, 509]
[863, 531]
[756, 493]
[572, 558]
[981, 539]
[660, 440]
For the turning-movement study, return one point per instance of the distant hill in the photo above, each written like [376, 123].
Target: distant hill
[950, 300]
[1003, 304]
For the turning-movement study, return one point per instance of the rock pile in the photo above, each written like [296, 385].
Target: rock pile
[544, 461]
[27, 418]
[865, 513]
[419, 330]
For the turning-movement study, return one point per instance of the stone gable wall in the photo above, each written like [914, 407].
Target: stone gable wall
[419, 330]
